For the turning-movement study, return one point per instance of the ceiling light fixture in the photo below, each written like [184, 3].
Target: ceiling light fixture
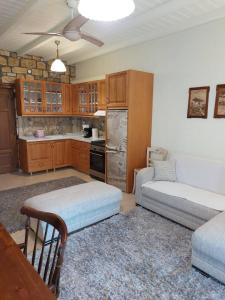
[58, 65]
[106, 10]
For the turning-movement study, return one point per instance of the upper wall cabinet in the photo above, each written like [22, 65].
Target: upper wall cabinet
[88, 97]
[53, 97]
[116, 90]
[30, 97]
[39, 97]
[101, 95]
[49, 98]
[67, 99]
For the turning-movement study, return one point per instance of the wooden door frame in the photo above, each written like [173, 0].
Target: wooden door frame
[11, 86]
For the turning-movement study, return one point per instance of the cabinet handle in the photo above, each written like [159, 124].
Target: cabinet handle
[113, 148]
[111, 151]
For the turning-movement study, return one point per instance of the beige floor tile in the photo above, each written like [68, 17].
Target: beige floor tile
[17, 179]
[19, 237]
[128, 202]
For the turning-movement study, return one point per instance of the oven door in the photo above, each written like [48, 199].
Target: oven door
[97, 164]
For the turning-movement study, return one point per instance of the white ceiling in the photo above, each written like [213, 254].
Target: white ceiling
[152, 19]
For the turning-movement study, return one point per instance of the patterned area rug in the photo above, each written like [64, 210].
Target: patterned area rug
[138, 256]
[12, 200]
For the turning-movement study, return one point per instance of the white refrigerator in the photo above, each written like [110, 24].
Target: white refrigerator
[116, 148]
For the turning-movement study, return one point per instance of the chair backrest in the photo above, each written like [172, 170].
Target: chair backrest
[49, 259]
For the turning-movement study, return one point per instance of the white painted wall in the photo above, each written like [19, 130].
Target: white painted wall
[192, 58]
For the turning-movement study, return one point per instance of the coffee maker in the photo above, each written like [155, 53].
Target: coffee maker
[87, 131]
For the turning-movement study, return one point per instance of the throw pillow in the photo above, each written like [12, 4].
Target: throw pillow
[165, 170]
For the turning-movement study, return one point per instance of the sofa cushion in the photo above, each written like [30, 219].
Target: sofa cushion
[164, 170]
[200, 172]
[170, 194]
[208, 244]
[181, 190]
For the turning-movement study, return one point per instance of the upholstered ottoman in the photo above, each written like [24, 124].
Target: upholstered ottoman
[80, 205]
[208, 247]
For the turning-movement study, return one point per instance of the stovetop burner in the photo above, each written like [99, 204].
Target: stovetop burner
[98, 143]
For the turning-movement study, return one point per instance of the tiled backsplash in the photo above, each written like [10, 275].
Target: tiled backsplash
[57, 125]
[93, 122]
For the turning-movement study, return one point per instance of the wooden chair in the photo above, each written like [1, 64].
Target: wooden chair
[48, 266]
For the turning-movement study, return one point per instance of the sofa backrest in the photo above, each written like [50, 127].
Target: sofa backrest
[199, 172]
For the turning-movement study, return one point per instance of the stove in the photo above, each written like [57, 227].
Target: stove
[98, 143]
[97, 160]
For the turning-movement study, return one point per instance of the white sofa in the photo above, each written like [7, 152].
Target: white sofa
[197, 196]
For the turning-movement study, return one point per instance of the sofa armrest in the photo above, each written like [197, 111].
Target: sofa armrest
[143, 176]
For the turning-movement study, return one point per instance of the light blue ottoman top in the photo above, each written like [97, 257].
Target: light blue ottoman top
[75, 200]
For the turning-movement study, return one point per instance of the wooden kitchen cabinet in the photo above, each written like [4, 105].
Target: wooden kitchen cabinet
[53, 96]
[30, 97]
[35, 156]
[130, 92]
[37, 97]
[101, 95]
[117, 90]
[74, 99]
[74, 154]
[41, 156]
[83, 99]
[81, 156]
[84, 157]
[88, 97]
[67, 99]
[59, 153]
[68, 152]
[44, 98]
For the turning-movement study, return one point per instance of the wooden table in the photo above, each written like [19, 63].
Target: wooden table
[18, 278]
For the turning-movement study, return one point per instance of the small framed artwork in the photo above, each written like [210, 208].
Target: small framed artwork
[198, 102]
[219, 111]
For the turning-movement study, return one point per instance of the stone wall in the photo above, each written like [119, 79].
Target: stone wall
[32, 67]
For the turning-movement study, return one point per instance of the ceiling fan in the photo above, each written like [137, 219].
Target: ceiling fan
[72, 30]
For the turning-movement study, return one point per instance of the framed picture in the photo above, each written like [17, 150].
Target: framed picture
[219, 111]
[198, 102]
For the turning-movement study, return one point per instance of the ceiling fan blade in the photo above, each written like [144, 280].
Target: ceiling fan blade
[75, 24]
[91, 39]
[44, 33]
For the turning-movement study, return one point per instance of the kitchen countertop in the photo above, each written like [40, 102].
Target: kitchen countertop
[66, 136]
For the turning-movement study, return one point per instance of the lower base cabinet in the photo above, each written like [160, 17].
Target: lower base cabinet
[59, 154]
[36, 156]
[81, 156]
[47, 155]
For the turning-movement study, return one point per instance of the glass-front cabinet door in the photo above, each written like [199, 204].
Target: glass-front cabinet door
[53, 98]
[83, 94]
[32, 98]
[88, 98]
[93, 97]
[39, 97]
